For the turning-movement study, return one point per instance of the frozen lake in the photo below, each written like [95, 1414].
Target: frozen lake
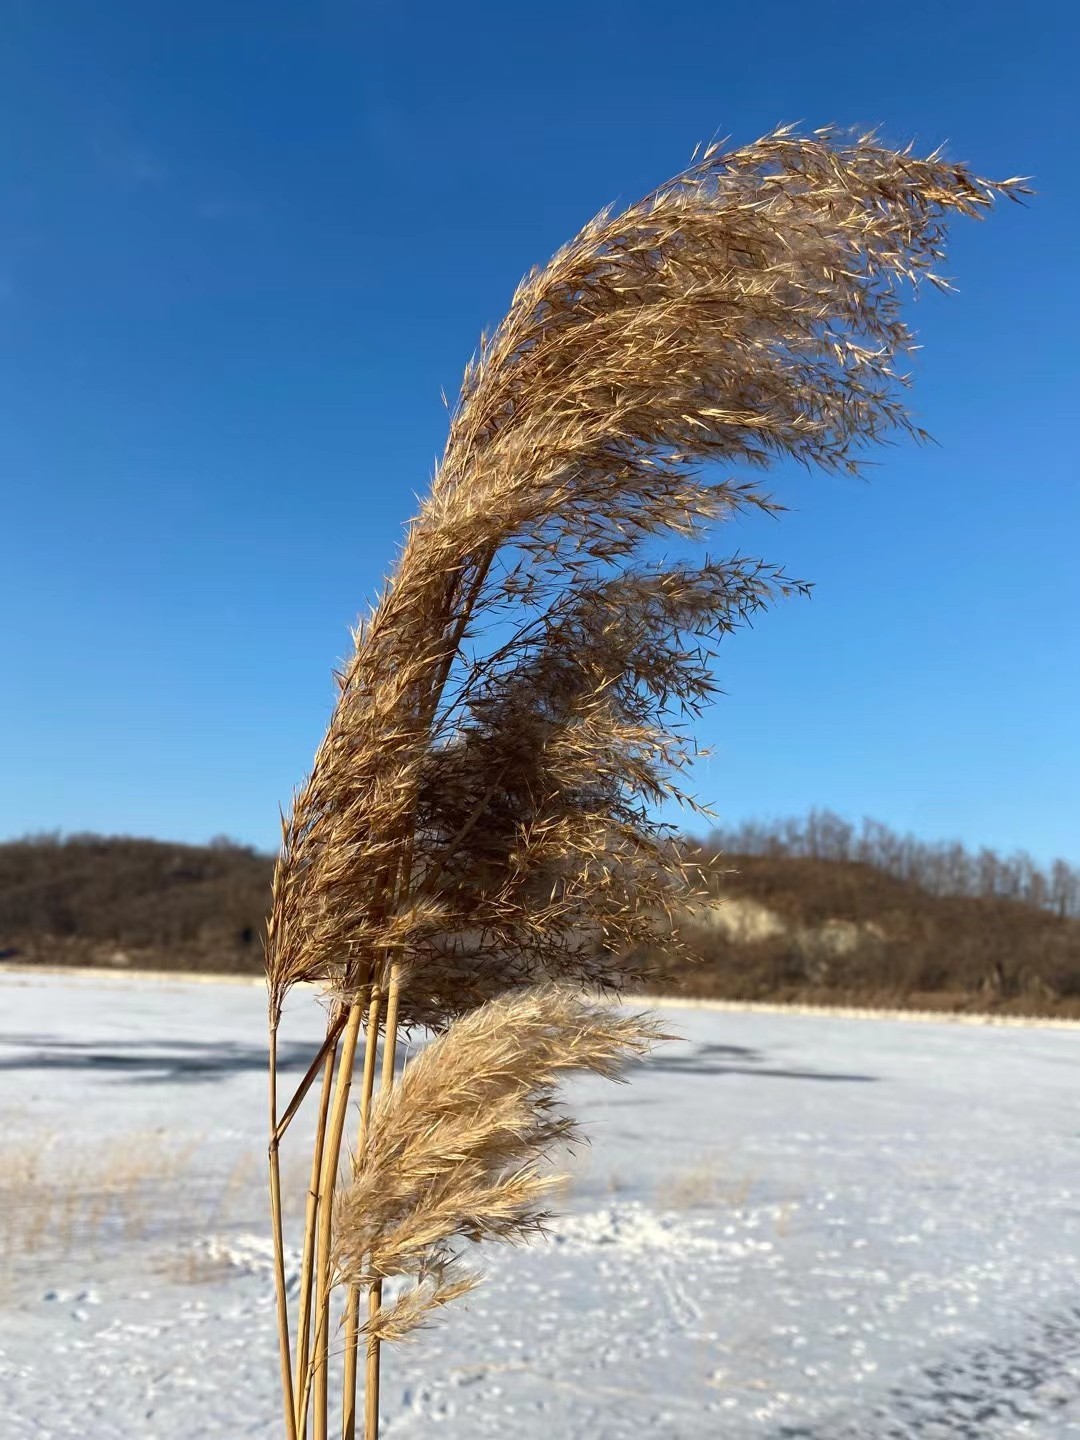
[788, 1227]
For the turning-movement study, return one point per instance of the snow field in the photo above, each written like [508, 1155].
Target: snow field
[787, 1227]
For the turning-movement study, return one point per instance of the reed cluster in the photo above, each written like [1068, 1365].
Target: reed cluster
[476, 850]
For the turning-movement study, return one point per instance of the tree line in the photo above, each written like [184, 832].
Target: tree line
[938, 867]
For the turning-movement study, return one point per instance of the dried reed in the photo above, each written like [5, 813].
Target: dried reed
[452, 1150]
[477, 838]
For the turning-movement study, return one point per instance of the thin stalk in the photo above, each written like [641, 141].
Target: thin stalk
[372, 1372]
[352, 1303]
[305, 1391]
[327, 1183]
[303, 1324]
[374, 1345]
[393, 999]
[302, 1089]
[279, 1244]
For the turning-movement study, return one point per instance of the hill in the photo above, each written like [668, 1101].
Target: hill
[97, 900]
[867, 922]
[797, 929]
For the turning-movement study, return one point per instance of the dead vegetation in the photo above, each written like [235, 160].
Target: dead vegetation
[477, 841]
[709, 1184]
[130, 903]
[63, 1201]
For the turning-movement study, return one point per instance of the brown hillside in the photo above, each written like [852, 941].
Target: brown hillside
[841, 931]
[119, 901]
[785, 927]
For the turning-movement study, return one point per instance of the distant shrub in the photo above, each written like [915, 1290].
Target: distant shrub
[201, 907]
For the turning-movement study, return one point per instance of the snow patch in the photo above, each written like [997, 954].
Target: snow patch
[635, 1228]
[249, 1254]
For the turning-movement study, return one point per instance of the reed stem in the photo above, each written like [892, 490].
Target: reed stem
[327, 1184]
[372, 1375]
[279, 1245]
[352, 1303]
[332, 1034]
[374, 1344]
[303, 1324]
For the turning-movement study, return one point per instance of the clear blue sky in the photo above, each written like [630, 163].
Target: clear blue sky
[242, 248]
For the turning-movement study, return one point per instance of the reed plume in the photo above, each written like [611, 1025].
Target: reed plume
[453, 1150]
[478, 834]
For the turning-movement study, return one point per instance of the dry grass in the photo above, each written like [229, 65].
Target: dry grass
[193, 1266]
[454, 1150]
[62, 1204]
[480, 816]
[707, 1185]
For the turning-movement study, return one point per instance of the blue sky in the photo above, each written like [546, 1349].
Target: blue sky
[244, 246]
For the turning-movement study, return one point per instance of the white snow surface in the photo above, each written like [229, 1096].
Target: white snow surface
[787, 1227]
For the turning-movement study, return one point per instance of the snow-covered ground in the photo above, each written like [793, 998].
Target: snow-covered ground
[788, 1227]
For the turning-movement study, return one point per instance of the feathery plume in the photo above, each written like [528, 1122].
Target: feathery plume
[747, 310]
[454, 1149]
[478, 834]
